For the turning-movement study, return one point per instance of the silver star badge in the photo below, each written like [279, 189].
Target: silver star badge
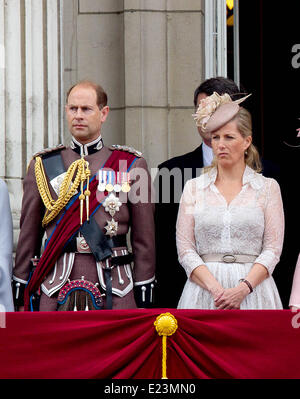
[111, 228]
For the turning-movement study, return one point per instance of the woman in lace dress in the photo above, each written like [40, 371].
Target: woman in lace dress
[230, 224]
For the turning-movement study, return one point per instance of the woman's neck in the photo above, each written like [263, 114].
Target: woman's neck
[234, 173]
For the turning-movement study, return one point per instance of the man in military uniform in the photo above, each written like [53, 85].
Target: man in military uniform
[82, 198]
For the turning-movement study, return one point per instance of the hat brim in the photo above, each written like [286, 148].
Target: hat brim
[221, 116]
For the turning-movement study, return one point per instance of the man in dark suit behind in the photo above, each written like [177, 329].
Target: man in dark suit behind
[171, 276]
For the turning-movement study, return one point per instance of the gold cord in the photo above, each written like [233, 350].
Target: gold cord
[164, 358]
[79, 171]
[87, 192]
[165, 325]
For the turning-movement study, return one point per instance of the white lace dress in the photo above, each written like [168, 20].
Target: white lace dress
[252, 224]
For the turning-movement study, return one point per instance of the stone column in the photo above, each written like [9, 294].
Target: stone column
[163, 66]
[147, 54]
[30, 102]
[93, 48]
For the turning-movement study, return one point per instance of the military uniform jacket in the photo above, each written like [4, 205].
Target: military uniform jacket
[138, 217]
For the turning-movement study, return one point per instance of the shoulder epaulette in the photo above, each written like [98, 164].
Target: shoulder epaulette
[48, 150]
[126, 148]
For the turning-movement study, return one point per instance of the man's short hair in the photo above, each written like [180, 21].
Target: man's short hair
[220, 85]
[100, 93]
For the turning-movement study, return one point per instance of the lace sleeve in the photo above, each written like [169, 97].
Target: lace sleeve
[185, 237]
[274, 228]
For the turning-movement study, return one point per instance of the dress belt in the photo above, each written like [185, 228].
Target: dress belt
[228, 258]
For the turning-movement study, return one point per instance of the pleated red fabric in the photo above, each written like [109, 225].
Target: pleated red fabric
[124, 344]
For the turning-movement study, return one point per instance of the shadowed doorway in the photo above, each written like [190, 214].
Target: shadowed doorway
[269, 43]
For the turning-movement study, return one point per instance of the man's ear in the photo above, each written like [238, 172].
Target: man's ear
[104, 113]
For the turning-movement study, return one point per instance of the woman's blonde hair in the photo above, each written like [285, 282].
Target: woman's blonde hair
[244, 125]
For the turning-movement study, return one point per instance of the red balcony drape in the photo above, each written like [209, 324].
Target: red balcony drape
[125, 344]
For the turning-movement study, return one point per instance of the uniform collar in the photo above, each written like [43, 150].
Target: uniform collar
[249, 177]
[86, 149]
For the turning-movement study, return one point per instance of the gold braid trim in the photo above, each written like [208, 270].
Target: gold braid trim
[67, 189]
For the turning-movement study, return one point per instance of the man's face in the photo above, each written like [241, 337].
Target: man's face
[83, 114]
[205, 136]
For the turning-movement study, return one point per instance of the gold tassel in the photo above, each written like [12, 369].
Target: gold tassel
[81, 196]
[166, 325]
[87, 192]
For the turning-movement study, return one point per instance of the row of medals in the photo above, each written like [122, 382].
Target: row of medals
[112, 203]
[113, 182]
[106, 179]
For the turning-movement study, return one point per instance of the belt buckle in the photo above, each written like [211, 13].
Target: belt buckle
[82, 246]
[229, 258]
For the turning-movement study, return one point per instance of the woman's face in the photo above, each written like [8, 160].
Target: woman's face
[229, 145]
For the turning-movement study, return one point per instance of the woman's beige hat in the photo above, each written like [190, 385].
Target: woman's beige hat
[216, 110]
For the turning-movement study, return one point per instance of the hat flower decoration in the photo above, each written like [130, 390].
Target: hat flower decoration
[210, 104]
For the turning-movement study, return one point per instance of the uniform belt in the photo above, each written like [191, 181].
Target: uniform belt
[114, 242]
[118, 241]
[228, 258]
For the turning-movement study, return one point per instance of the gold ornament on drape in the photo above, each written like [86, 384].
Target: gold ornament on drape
[165, 325]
